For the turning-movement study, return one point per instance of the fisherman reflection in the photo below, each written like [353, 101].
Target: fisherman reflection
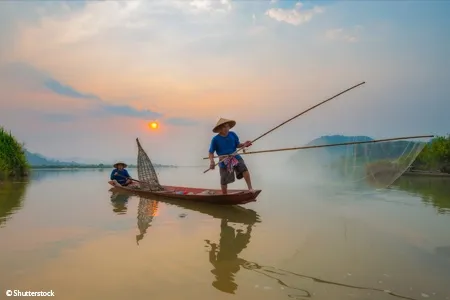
[119, 203]
[224, 257]
[147, 210]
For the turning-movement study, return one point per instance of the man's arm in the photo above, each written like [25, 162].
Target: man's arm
[212, 149]
[239, 144]
[112, 174]
[127, 174]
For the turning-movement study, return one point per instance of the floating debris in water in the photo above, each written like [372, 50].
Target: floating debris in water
[425, 295]
[386, 275]
[387, 291]
[349, 274]
[256, 286]
[267, 288]
[380, 282]
[281, 287]
[182, 215]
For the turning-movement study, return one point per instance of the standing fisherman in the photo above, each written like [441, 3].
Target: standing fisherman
[225, 143]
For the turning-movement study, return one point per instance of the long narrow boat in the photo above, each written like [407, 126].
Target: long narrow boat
[231, 213]
[233, 197]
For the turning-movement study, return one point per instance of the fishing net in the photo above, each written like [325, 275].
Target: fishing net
[146, 172]
[147, 210]
[374, 164]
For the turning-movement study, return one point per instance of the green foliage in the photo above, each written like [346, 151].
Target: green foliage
[12, 155]
[435, 155]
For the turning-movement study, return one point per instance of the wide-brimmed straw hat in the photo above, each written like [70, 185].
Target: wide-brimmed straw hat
[120, 163]
[223, 121]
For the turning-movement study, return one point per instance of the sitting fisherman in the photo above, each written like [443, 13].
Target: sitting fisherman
[120, 176]
[224, 143]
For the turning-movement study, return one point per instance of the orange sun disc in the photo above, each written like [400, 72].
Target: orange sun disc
[153, 125]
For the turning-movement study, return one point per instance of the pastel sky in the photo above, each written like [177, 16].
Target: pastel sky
[84, 78]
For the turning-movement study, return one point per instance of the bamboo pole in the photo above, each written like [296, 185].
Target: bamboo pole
[296, 116]
[327, 145]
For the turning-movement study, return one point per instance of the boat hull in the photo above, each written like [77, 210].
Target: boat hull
[233, 197]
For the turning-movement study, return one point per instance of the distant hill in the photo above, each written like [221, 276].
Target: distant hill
[39, 160]
[337, 139]
[36, 159]
[325, 156]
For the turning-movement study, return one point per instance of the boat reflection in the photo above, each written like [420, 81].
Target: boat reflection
[119, 203]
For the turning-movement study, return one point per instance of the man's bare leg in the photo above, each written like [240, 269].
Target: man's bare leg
[246, 175]
[224, 189]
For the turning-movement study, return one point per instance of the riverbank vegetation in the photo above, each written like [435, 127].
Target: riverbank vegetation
[13, 161]
[435, 156]
[396, 156]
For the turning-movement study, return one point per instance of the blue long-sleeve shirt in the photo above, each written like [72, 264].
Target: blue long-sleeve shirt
[123, 176]
[224, 145]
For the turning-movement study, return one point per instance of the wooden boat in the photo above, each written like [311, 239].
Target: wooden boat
[213, 196]
[231, 213]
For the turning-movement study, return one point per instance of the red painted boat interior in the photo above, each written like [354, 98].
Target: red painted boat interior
[187, 190]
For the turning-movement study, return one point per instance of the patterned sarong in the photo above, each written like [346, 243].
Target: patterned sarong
[230, 162]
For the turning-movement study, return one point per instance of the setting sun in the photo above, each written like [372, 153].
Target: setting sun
[153, 125]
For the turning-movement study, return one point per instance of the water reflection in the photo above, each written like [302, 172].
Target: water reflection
[39, 175]
[119, 203]
[433, 191]
[224, 257]
[147, 210]
[12, 195]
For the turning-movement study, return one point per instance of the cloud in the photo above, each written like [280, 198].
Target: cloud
[181, 122]
[65, 90]
[128, 111]
[36, 77]
[210, 5]
[347, 35]
[295, 16]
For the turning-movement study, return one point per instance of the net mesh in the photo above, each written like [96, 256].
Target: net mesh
[377, 164]
[146, 172]
[147, 210]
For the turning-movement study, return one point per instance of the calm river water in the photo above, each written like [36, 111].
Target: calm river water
[64, 231]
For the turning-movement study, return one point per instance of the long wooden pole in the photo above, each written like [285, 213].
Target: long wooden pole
[330, 145]
[296, 116]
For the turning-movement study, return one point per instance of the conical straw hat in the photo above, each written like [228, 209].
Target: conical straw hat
[223, 121]
[120, 163]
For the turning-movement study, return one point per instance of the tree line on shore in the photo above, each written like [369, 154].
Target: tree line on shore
[435, 156]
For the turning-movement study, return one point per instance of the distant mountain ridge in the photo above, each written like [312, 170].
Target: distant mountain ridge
[39, 160]
[337, 139]
[36, 159]
[388, 150]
